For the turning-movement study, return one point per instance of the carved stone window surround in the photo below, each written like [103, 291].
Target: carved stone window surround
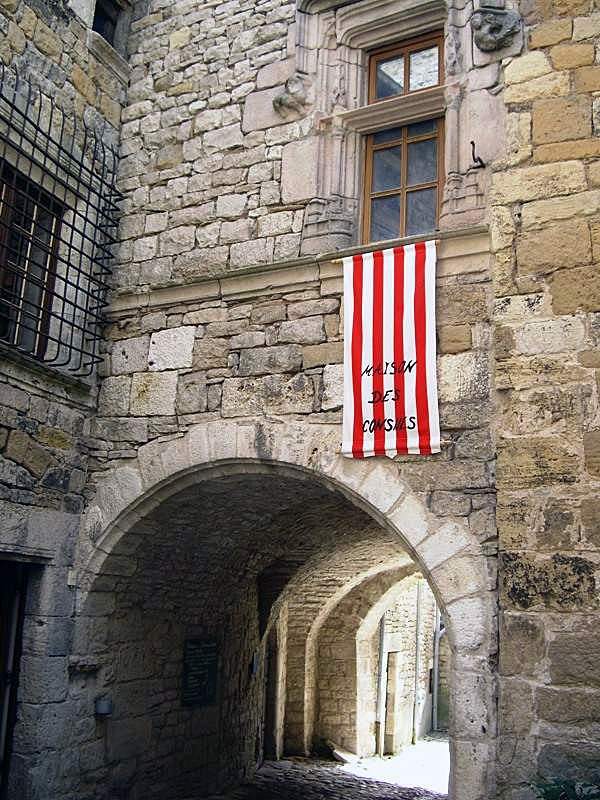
[372, 23]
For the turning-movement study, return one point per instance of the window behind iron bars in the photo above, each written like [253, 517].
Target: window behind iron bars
[58, 205]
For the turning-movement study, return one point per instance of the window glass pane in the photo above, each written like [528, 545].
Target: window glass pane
[421, 207]
[389, 79]
[422, 162]
[387, 136]
[423, 68]
[386, 169]
[385, 218]
[422, 128]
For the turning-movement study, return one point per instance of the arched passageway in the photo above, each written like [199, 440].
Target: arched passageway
[202, 598]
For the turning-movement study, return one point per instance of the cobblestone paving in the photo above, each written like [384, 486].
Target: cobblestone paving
[309, 779]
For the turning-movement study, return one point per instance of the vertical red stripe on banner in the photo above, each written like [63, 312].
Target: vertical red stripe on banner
[378, 407]
[421, 351]
[357, 337]
[399, 349]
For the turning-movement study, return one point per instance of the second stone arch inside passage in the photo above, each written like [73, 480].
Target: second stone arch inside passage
[257, 565]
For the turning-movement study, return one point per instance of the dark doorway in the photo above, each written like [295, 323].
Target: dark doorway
[13, 585]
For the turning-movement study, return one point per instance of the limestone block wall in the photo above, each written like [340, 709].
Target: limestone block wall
[43, 413]
[546, 280]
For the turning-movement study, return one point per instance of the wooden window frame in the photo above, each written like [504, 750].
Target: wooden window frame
[404, 49]
[10, 177]
[403, 190]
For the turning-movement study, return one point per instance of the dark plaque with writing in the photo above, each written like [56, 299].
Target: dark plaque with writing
[199, 672]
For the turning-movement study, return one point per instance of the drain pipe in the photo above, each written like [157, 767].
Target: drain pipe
[381, 691]
[436, 669]
[417, 661]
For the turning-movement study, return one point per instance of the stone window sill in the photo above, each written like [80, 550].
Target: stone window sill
[405, 110]
[107, 55]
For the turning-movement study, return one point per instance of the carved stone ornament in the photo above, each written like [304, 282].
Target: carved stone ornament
[294, 97]
[494, 29]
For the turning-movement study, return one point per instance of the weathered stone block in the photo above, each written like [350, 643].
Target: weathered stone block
[561, 582]
[264, 360]
[463, 377]
[551, 32]
[153, 393]
[450, 504]
[171, 348]
[175, 241]
[309, 330]
[191, 393]
[248, 254]
[569, 56]
[591, 446]
[528, 66]
[575, 290]
[587, 79]
[299, 170]
[457, 304]
[574, 658]
[529, 462]
[333, 387]
[522, 644]
[259, 112]
[247, 339]
[561, 119]
[242, 397]
[317, 355]
[590, 520]
[551, 336]
[570, 760]
[266, 313]
[114, 396]
[275, 224]
[25, 451]
[454, 338]
[308, 308]
[224, 138]
[293, 395]
[537, 182]
[210, 353]
[554, 84]
[231, 205]
[130, 355]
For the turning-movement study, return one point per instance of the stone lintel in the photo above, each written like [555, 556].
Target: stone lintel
[403, 110]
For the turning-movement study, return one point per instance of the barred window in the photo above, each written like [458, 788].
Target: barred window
[58, 217]
[30, 221]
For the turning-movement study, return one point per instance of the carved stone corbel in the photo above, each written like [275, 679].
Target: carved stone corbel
[494, 29]
[294, 98]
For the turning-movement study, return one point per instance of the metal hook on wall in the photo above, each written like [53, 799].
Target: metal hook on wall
[478, 162]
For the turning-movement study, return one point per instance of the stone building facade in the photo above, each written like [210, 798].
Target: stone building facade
[192, 489]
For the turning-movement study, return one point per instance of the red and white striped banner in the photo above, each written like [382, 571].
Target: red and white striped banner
[390, 382]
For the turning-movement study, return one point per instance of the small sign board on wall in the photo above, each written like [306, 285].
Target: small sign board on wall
[199, 687]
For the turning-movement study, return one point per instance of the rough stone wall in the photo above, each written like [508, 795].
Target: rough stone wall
[401, 635]
[545, 233]
[346, 670]
[43, 414]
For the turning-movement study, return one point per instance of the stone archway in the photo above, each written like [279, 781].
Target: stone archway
[448, 555]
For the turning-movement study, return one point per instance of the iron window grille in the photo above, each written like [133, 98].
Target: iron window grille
[58, 219]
